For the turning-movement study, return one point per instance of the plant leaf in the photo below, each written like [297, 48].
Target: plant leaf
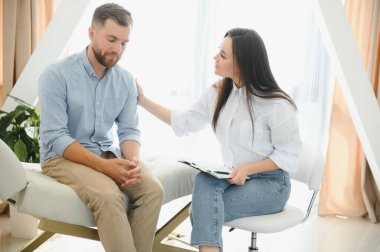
[36, 118]
[29, 115]
[22, 116]
[20, 150]
[10, 138]
[12, 130]
[25, 138]
[5, 121]
[22, 107]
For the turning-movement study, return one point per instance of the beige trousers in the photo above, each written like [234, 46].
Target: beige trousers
[118, 231]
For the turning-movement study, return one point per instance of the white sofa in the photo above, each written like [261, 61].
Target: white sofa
[61, 211]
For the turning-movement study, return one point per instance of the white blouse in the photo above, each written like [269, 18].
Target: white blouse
[275, 133]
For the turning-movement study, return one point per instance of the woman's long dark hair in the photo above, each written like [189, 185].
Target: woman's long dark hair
[252, 59]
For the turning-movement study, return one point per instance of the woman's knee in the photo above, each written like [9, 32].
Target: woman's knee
[204, 182]
[202, 179]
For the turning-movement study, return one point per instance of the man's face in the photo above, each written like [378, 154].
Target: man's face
[108, 42]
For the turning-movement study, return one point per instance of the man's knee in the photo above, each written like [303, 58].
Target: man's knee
[157, 191]
[152, 186]
[105, 198]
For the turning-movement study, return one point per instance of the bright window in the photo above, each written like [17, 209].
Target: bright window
[171, 51]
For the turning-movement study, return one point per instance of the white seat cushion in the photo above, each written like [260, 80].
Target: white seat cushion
[271, 223]
[176, 178]
[44, 197]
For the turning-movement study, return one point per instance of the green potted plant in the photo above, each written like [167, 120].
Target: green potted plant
[19, 129]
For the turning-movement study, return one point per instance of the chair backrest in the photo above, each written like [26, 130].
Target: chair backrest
[12, 174]
[310, 167]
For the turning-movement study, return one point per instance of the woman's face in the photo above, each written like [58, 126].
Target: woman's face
[225, 65]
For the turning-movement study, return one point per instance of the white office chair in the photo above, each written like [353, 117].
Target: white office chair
[310, 172]
[61, 211]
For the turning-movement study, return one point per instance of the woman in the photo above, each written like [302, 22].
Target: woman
[256, 125]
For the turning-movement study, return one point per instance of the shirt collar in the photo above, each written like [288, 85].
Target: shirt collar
[238, 91]
[86, 63]
[90, 71]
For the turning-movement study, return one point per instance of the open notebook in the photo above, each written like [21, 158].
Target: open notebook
[219, 171]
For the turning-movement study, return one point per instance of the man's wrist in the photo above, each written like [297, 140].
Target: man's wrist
[101, 165]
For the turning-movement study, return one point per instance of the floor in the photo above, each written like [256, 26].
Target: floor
[316, 235]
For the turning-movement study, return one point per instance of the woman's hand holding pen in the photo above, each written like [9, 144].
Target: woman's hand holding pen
[239, 175]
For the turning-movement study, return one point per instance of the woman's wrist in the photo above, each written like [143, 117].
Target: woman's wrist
[249, 169]
[260, 166]
[141, 100]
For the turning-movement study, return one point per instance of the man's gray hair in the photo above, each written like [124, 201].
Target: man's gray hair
[111, 11]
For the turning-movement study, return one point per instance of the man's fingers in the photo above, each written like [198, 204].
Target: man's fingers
[127, 162]
[131, 182]
[135, 160]
[134, 175]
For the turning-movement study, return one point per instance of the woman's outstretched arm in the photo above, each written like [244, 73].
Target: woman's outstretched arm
[162, 113]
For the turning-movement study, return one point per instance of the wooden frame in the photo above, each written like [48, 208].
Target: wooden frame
[51, 227]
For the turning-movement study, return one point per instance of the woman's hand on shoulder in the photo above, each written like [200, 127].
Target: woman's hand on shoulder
[140, 92]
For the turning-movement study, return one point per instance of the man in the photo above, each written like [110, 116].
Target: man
[81, 97]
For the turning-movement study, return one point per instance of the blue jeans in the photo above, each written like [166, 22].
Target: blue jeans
[216, 201]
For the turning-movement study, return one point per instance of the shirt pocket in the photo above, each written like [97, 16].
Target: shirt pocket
[258, 140]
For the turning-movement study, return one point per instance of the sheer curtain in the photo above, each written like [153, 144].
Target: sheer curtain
[348, 187]
[171, 53]
[24, 22]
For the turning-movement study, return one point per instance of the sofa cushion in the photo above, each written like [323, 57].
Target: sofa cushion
[44, 197]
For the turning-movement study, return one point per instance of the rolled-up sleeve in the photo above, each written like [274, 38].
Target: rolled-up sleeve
[55, 135]
[285, 137]
[196, 117]
[127, 121]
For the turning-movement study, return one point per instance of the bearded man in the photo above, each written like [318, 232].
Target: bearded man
[81, 97]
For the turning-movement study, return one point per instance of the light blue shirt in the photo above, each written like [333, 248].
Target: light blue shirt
[76, 105]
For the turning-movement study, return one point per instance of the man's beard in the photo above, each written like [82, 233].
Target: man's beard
[101, 58]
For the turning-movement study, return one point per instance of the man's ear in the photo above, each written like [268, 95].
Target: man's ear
[91, 32]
